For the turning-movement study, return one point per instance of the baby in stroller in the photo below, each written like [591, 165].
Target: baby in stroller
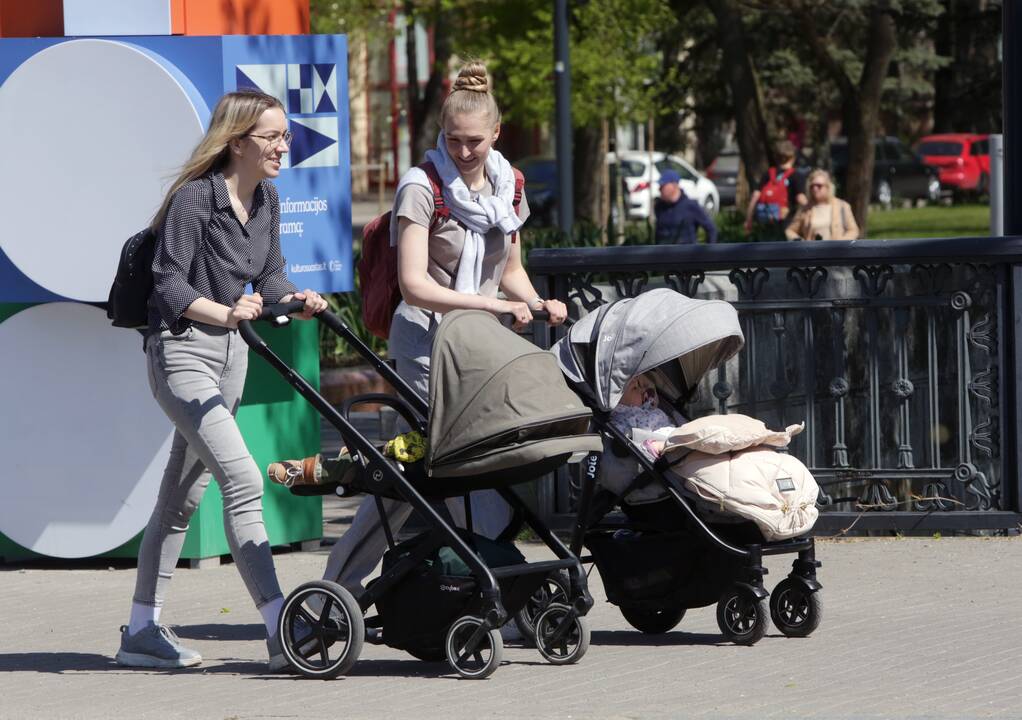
[638, 413]
[636, 362]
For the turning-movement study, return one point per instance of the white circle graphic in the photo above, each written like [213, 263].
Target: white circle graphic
[84, 443]
[98, 128]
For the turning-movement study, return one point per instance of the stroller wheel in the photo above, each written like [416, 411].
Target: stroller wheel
[562, 637]
[555, 589]
[795, 612]
[321, 630]
[653, 622]
[481, 658]
[741, 616]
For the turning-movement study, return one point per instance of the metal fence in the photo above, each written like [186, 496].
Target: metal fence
[900, 356]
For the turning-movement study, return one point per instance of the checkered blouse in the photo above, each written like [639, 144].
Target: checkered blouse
[230, 255]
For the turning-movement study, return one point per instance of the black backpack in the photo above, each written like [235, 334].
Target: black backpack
[128, 303]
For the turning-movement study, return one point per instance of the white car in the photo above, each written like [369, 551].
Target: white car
[642, 181]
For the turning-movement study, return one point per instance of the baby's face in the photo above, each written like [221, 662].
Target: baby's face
[638, 390]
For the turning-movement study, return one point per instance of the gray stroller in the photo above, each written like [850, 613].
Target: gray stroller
[499, 415]
[671, 553]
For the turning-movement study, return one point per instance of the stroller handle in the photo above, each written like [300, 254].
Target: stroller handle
[507, 319]
[278, 312]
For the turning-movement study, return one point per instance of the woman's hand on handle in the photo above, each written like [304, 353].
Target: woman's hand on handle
[247, 307]
[519, 310]
[314, 303]
[558, 311]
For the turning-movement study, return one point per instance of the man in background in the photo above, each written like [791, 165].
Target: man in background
[678, 216]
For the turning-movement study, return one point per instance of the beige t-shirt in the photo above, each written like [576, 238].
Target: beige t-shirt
[446, 242]
[820, 219]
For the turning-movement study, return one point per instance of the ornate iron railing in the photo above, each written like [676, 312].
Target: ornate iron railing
[901, 356]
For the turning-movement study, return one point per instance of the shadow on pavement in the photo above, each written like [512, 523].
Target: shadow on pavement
[410, 668]
[61, 662]
[221, 631]
[638, 639]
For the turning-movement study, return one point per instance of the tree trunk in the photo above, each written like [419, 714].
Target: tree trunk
[412, 78]
[435, 92]
[604, 211]
[943, 78]
[860, 103]
[738, 74]
[424, 103]
[587, 172]
[865, 111]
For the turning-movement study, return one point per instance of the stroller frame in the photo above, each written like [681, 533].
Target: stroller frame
[794, 605]
[562, 630]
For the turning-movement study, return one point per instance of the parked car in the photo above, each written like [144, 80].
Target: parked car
[723, 171]
[962, 160]
[897, 171]
[540, 173]
[640, 172]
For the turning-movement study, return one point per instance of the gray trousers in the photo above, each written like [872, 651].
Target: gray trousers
[362, 545]
[197, 378]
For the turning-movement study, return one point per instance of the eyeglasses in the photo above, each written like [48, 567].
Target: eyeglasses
[274, 139]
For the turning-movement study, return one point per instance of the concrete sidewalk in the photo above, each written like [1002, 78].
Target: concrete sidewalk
[912, 628]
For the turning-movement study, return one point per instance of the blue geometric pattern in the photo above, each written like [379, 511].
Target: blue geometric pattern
[313, 142]
[304, 89]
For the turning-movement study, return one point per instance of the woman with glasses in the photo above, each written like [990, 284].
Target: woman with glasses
[825, 217]
[217, 230]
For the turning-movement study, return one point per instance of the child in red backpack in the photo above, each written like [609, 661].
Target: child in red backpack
[780, 192]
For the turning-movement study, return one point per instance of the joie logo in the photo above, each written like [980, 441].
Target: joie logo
[591, 465]
[450, 588]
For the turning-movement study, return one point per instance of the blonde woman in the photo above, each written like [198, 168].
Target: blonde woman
[460, 261]
[825, 217]
[217, 230]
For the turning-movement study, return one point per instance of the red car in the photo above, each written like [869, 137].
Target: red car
[962, 160]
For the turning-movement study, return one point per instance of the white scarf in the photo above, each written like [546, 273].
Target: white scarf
[476, 213]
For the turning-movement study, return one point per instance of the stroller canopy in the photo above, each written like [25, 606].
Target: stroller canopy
[607, 348]
[497, 401]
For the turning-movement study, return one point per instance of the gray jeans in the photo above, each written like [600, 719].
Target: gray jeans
[197, 378]
[360, 548]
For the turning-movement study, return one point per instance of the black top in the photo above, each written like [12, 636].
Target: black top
[231, 255]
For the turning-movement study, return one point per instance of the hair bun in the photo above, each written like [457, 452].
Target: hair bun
[472, 77]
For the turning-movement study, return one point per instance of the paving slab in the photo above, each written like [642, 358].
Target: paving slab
[913, 628]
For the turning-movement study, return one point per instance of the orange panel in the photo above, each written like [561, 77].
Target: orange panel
[39, 18]
[177, 17]
[241, 17]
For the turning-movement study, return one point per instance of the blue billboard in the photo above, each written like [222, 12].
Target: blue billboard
[104, 124]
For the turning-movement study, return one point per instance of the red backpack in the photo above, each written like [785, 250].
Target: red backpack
[377, 266]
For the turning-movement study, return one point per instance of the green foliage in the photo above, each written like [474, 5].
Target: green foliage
[364, 18]
[615, 69]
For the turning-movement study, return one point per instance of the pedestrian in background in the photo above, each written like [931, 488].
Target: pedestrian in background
[825, 217]
[779, 193]
[678, 216]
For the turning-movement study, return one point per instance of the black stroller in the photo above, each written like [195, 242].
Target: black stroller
[500, 414]
[671, 554]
